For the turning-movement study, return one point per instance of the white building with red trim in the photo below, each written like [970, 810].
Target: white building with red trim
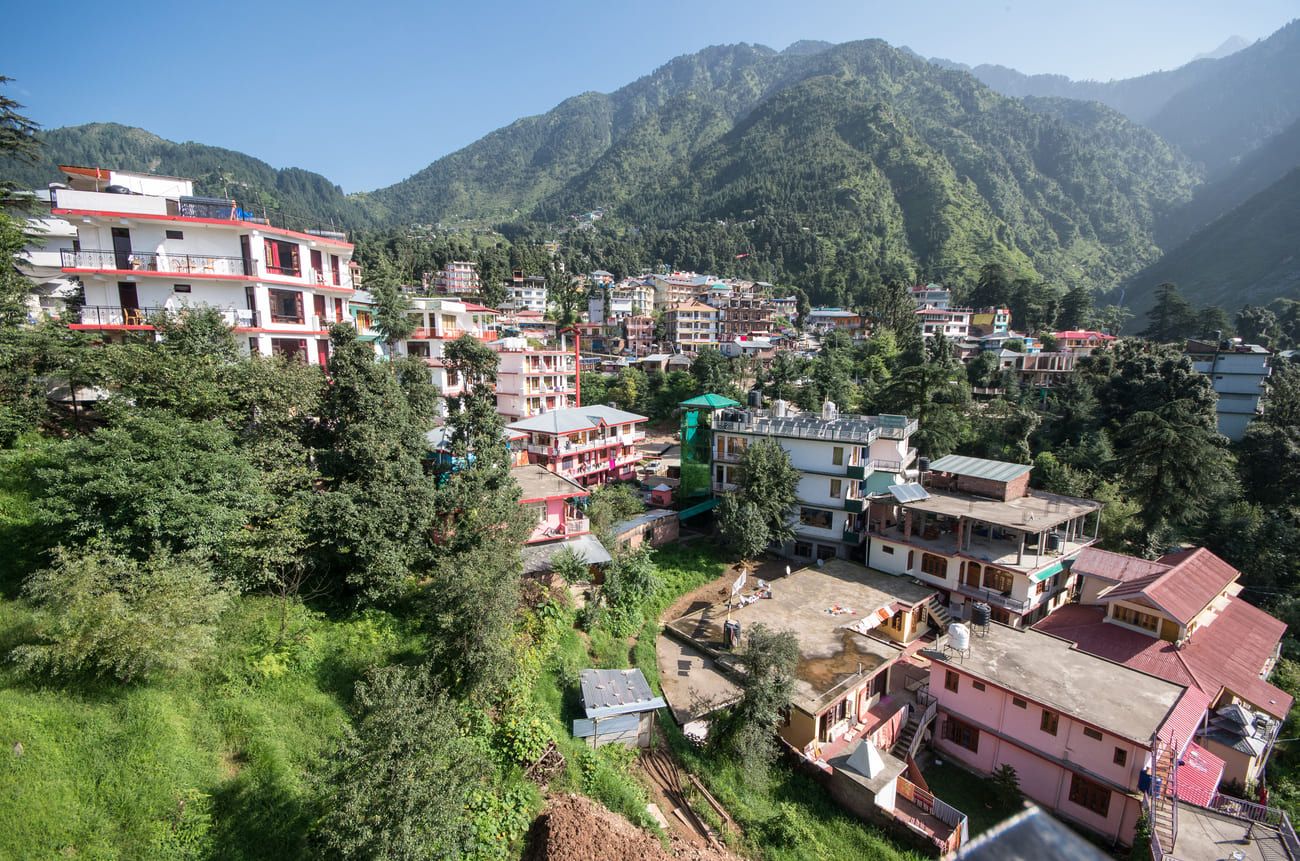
[438, 321]
[146, 244]
[533, 381]
[589, 445]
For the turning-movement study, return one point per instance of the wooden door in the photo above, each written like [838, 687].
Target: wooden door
[320, 309]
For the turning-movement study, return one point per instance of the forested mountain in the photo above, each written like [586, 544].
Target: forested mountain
[1215, 110]
[898, 168]
[222, 172]
[1251, 255]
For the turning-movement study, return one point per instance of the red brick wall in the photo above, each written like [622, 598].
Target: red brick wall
[1003, 490]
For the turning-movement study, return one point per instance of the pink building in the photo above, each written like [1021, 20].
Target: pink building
[590, 445]
[1079, 731]
[554, 500]
[1081, 342]
[1180, 618]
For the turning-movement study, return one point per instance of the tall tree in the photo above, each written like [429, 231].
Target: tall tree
[1076, 308]
[1258, 326]
[1171, 318]
[768, 482]
[748, 731]
[378, 503]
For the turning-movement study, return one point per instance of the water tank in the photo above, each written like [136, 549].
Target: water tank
[829, 412]
[981, 613]
[118, 189]
[959, 636]
[780, 408]
[756, 399]
[1054, 540]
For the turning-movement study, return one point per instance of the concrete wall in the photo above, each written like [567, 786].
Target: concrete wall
[1019, 740]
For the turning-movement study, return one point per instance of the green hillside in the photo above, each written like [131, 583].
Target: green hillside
[901, 167]
[1249, 256]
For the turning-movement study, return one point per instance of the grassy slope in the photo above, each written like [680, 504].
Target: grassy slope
[815, 826]
[104, 768]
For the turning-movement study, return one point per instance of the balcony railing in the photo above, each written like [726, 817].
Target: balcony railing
[151, 262]
[113, 316]
[215, 209]
[949, 839]
[1000, 599]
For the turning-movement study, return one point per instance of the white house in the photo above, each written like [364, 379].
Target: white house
[146, 243]
[1238, 372]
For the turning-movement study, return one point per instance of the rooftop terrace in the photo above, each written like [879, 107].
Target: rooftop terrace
[829, 653]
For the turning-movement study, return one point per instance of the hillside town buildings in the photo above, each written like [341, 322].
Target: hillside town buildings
[1238, 373]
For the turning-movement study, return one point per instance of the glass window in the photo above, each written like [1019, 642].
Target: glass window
[951, 681]
[996, 580]
[1019, 703]
[935, 566]
[1121, 756]
[815, 517]
[290, 348]
[803, 549]
[286, 306]
[1135, 617]
[837, 488]
[1049, 722]
[1089, 795]
[837, 455]
[1091, 733]
[282, 258]
[961, 734]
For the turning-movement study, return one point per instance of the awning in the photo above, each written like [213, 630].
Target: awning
[1054, 568]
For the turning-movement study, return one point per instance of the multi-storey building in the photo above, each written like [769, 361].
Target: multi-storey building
[41, 262]
[146, 244]
[1081, 342]
[1180, 618]
[362, 308]
[844, 462]
[837, 320]
[1084, 735]
[590, 445]
[930, 296]
[438, 321]
[952, 323]
[531, 381]
[785, 306]
[676, 288]
[526, 292]
[692, 325]
[1044, 370]
[977, 532]
[990, 321]
[740, 315]
[458, 278]
[639, 333]
[1238, 372]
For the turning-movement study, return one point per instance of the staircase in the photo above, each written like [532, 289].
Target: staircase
[939, 614]
[1163, 800]
[909, 739]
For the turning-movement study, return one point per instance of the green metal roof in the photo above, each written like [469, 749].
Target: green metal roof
[1054, 568]
[713, 402]
[978, 467]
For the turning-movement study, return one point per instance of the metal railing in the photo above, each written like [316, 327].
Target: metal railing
[927, 802]
[149, 261]
[111, 316]
[1000, 598]
[216, 209]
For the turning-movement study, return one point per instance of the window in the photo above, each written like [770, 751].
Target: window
[286, 306]
[1019, 703]
[175, 234]
[334, 269]
[815, 517]
[837, 456]
[803, 549]
[951, 681]
[996, 580]
[1041, 587]
[282, 258]
[1092, 733]
[290, 348]
[935, 566]
[979, 686]
[1137, 618]
[885, 548]
[826, 551]
[181, 288]
[1089, 795]
[1049, 722]
[837, 488]
[1121, 756]
[961, 734]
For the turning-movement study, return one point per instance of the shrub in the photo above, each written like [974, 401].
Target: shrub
[108, 615]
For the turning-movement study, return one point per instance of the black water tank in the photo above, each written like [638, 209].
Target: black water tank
[1054, 540]
[118, 189]
[981, 613]
[731, 634]
[923, 464]
[756, 399]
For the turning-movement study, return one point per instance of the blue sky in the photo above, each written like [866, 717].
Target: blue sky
[367, 93]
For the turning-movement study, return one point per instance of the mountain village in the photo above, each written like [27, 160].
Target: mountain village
[946, 609]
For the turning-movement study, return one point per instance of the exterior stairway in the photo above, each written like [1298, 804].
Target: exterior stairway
[939, 614]
[1164, 799]
[909, 738]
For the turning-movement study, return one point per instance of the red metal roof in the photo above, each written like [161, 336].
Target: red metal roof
[1183, 719]
[1114, 566]
[1084, 334]
[1199, 773]
[471, 306]
[1226, 654]
[1191, 579]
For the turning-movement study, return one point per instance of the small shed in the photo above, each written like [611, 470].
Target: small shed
[619, 707]
[661, 496]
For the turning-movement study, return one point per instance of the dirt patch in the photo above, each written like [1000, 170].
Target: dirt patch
[716, 590]
[232, 762]
[573, 828]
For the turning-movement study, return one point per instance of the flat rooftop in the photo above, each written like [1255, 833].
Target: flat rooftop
[1037, 512]
[538, 482]
[1051, 671]
[829, 653]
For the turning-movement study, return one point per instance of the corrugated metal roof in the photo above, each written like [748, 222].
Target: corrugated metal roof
[574, 419]
[613, 692]
[710, 400]
[978, 467]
